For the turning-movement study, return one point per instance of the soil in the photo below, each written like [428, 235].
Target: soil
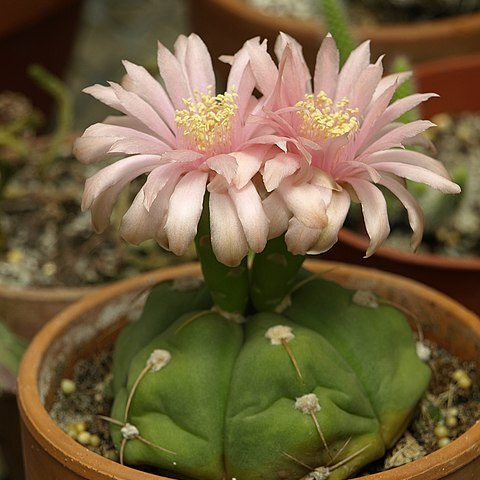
[45, 238]
[443, 400]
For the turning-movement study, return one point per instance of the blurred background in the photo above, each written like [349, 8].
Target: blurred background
[82, 41]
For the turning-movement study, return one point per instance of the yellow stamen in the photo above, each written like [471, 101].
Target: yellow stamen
[207, 120]
[322, 119]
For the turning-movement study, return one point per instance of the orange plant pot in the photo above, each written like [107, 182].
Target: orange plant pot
[92, 323]
[226, 24]
[456, 80]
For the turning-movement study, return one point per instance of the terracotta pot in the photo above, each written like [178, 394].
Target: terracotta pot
[456, 80]
[226, 24]
[41, 32]
[26, 309]
[92, 323]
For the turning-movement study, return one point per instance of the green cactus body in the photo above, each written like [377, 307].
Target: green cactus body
[275, 398]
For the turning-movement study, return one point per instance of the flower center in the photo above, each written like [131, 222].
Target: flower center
[322, 119]
[207, 120]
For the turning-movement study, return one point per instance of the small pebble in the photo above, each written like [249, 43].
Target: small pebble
[80, 427]
[464, 383]
[451, 421]
[94, 440]
[443, 442]
[441, 431]
[67, 386]
[452, 412]
[462, 379]
[84, 438]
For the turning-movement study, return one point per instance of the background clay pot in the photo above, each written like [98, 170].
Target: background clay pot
[26, 309]
[456, 80]
[93, 322]
[40, 32]
[226, 24]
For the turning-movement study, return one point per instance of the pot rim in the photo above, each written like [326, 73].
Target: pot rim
[423, 30]
[439, 262]
[79, 459]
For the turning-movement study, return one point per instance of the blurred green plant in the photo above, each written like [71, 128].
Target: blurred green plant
[11, 352]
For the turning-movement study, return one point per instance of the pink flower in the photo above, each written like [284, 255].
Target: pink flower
[186, 140]
[344, 144]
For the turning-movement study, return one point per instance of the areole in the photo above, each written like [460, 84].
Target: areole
[93, 321]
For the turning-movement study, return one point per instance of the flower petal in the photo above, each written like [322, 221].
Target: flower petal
[249, 163]
[395, 137]
[306, 202]
[251, 214]
[224, 165]
[198, 65]
[228, 238]
[416, 218]
[279, 168]
[374, 209]
[299, 238]
[136, 107]
[184, 211]
[336, 212]
[174, 77]
[327, 67]
[150, 90]
[355, 64]
[278, 214]
[102, 189]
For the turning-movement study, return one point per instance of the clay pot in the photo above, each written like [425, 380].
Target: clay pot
[92, 323]
[41, 32]
[226, 24]
[456, 80]
[26, 309]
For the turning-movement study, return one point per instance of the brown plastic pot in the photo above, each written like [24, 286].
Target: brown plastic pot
[456, 80]
[92, 323]
[226, 24]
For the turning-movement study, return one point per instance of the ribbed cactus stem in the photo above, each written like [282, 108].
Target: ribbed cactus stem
[228, 285]
[273, 275]
[336, 20]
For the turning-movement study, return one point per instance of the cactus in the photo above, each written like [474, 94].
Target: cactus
[235, 400]
[265, 371]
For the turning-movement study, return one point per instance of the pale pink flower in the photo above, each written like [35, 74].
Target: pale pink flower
[344, 144]
[187, 140]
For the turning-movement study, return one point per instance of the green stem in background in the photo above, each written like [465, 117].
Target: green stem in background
[273, 274]
[336, 20]
[64, 103]
[228, 285]
[11, 352]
